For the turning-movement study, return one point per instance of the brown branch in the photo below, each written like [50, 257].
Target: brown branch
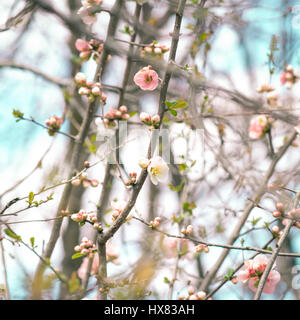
[163, 92]
[276, 251]
[16, 65]
[257, 195]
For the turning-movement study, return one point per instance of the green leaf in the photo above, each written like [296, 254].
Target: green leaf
[132, 113]
[18, 114]
[182, 167]
[166, 280]
[189, 207]
[255, 221]
[30, 197]
[178, 188]
[180, 104]
[77, 255]
[173, 112]
[32, 242]
[12, 234]
[127, 30]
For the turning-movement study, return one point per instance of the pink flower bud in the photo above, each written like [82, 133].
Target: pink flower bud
[191, 290]
[85, 183]
[77, 248]
[125, 116]
[96, 91]
[76, 182]
[145, 117]
[94, 219]
[94, 183]
[85, 55]
[103, 97]
[157, 51]
[155, 119]
[201, 295]
[82, 45]
[96, 225]
[86, 164]
[75, 217]
[276, 214]
[275, 229]
[189, 229]
[80, 78]
[280, 206]
[84, 251]
[118, 114]
[123, 109]
[83, 91]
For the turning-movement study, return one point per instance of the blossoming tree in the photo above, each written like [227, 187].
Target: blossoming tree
[165, 177]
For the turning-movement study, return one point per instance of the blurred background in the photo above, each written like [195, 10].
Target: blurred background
[235, 45]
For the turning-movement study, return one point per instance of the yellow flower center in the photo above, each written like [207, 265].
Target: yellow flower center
[155, 171]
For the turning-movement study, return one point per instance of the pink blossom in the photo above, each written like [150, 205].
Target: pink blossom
[82, 45]
[257, 127]
[252, 272]
[86, 17]
[146, 79]
[283, 77]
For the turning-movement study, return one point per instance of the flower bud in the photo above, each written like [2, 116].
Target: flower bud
[84, 91]
[280, 206]
[155, 119]
[94, 183]
[85, 183]
[144, 162]
[191, 290]
[85, 55]
[96, 91]
[201, 295]
[76, 182]
[189, 229]
[145, 117]
[123, 109]
[157, 51]
[275, 229]
[80, 78]
[276, 214]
